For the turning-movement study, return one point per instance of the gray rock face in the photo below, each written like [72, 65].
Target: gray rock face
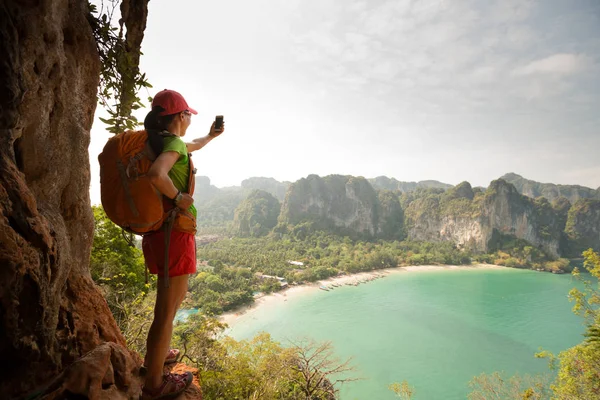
[270, 185]
[550, 191]
[583, 226]
[473, 223]
[510, 213]
[385, 183]
[391, 216]
[471, 219]
[464, 232]
[333, 201]
[257, 214]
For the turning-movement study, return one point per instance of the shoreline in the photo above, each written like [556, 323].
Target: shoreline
[231, 317]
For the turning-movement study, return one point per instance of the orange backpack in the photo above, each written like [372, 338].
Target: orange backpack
[129, 198]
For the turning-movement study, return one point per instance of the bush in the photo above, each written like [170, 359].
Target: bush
[512, 262]
[562, 264]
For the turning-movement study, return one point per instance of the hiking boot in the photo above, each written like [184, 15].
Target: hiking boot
[170, 359]
[172, 386]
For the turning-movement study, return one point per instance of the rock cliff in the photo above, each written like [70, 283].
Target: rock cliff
[50, 311]
[347, 203]
[270, 185]
[550, 191]
[470, 218]
[506, 211]
[217, 205]
[58, 338]
[385, 183]
[583, 226]
[204, 191]
[391, 216]
[453, 216]
[475, 220]
[257, 214]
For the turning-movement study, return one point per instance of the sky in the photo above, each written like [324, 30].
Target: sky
[450, 90]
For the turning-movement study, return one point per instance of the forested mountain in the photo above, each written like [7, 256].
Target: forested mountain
[270, 185]
[383, 182]
[347, 203]
[477, 219]
[257, 214]
[550, 190]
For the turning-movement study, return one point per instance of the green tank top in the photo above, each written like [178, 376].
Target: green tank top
[180, 173]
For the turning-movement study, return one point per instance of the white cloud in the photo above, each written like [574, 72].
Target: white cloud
[484, 74]
[444, 56]
[510, 11]
[557, 64]
[519, 37]
[540, 89]
[384, 71]
[425, 10]
[379, 22]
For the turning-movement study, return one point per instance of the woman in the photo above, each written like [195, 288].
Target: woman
[166, 124]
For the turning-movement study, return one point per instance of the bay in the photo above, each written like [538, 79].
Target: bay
[182, 315]
[435, 329]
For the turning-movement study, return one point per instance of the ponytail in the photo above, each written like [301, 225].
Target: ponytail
[156, 124]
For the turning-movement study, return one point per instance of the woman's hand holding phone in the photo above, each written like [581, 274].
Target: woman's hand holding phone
[217, 127]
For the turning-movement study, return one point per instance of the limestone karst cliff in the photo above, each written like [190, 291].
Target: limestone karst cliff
[470, 218]
[550, 191]
[475, 220]
[345, 203]
[257, 214]
[583, 226]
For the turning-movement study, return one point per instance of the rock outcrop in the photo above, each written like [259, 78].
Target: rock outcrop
[269, 185]
[451, 216]
[391, 216]
[583, 226]
[346, 203]
[217, 205]
[50, 311]
[550, 191]
[257, 214]
[474, 220]
[470, 218]
[385, 183]
[109, 372]
[57, 334]
[204, 190]
[507, 212]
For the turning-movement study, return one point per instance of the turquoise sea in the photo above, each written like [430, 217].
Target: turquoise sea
[435, 329]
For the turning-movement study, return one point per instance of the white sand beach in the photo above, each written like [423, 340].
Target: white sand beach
[230, 318]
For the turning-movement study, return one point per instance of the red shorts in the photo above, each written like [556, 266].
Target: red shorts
[182, 253]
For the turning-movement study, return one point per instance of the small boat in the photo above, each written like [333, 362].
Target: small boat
[325, 288]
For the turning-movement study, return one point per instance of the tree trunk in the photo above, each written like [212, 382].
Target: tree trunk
[50, 311]
[134, 14]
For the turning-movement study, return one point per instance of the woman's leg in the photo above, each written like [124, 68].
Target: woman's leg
[168, 301]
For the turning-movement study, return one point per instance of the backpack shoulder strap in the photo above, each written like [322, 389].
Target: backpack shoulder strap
[192, 177]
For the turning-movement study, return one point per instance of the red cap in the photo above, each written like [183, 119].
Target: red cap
[172, 101]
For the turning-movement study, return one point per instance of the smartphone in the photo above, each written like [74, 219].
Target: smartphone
[218, 122]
